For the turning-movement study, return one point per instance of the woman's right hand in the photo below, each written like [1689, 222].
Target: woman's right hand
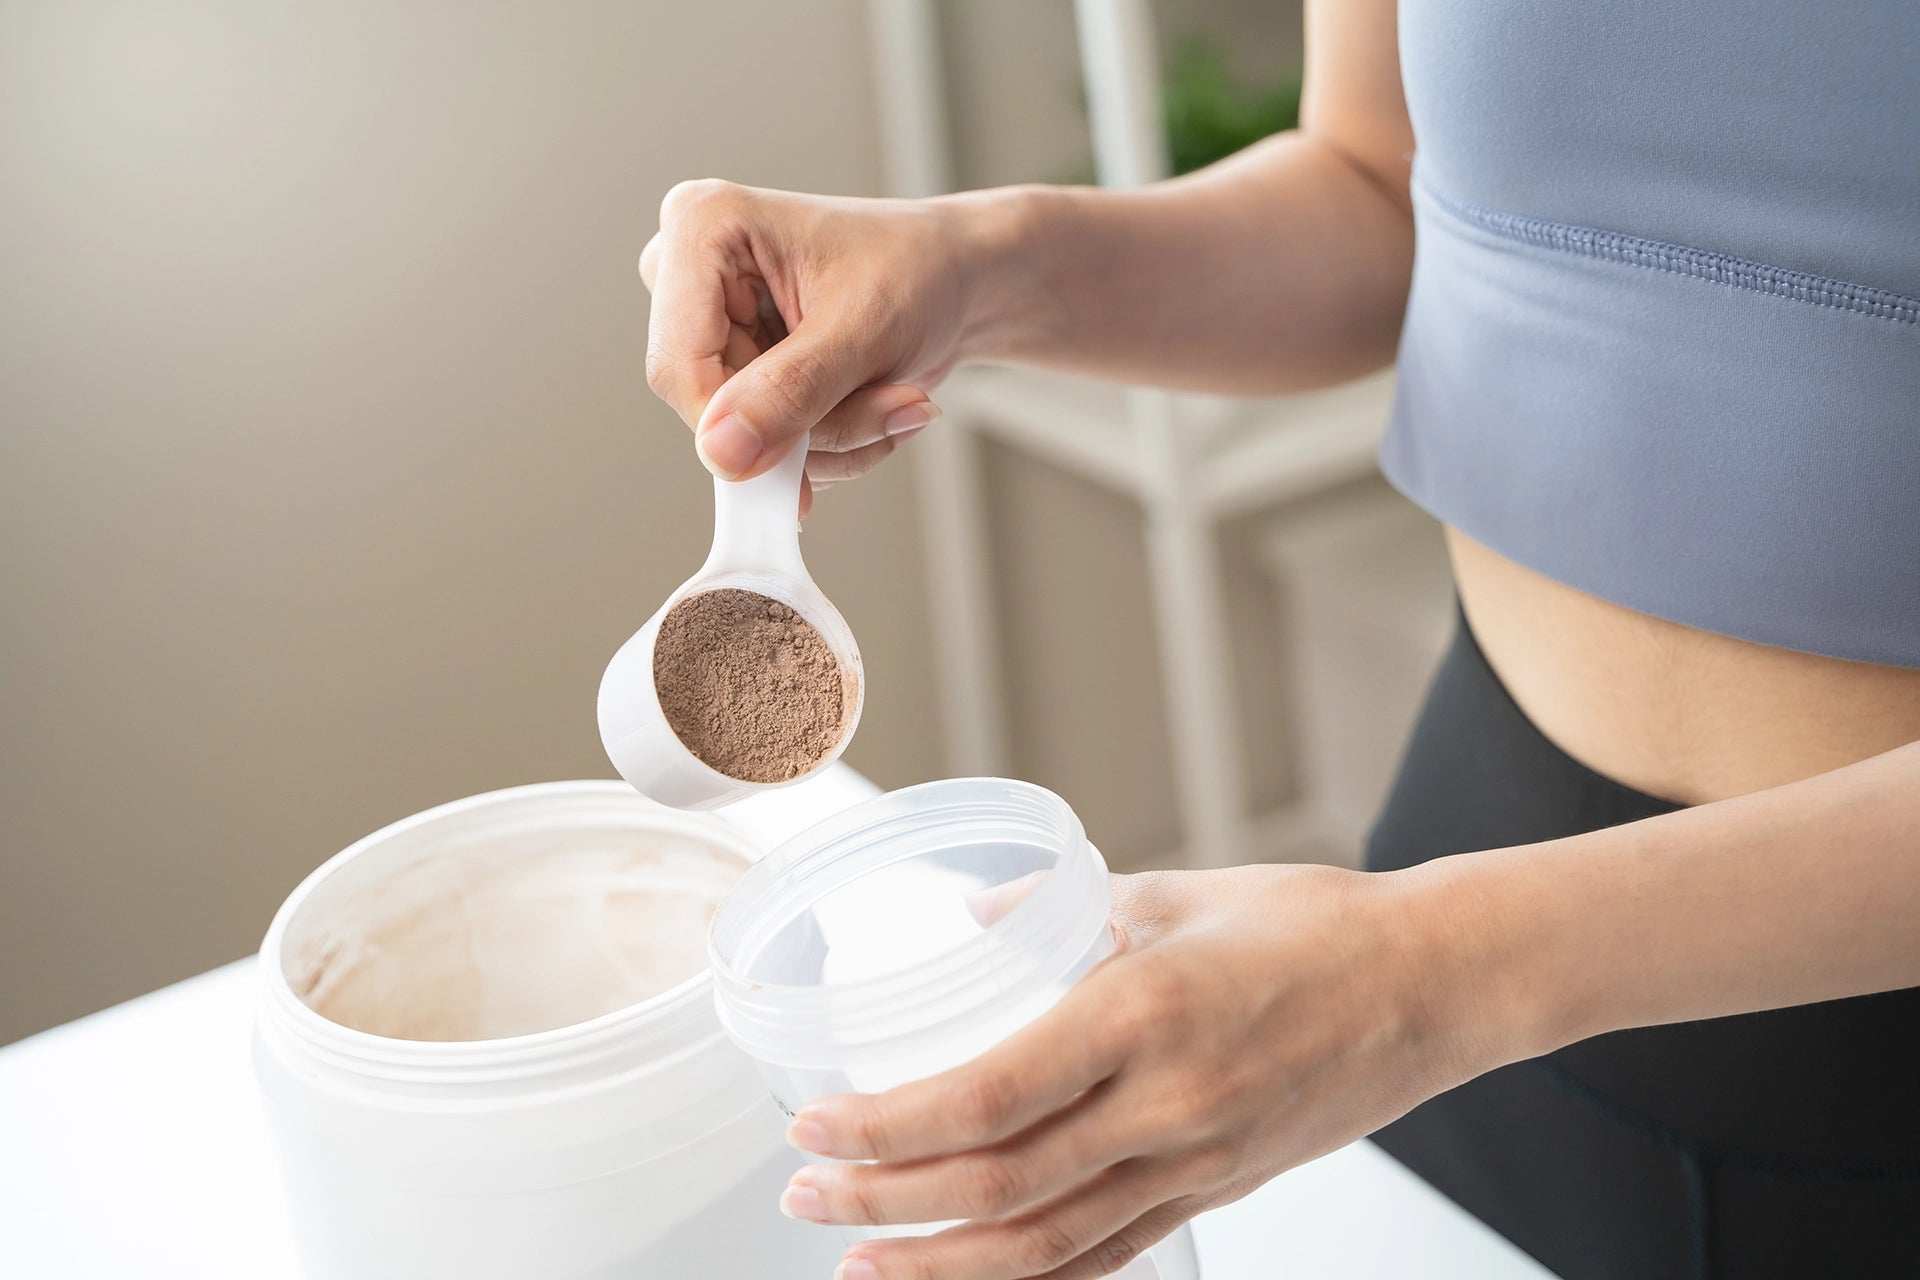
[776, 314]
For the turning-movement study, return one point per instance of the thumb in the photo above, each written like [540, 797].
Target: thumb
[767, 407]
[987, 906]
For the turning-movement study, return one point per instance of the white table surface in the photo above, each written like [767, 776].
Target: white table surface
[133, 1147]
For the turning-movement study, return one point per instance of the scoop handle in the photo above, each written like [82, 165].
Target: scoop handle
[756, 523]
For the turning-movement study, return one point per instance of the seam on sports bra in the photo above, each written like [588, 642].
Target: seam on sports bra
[1678, 259]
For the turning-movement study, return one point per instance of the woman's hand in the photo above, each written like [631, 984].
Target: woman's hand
[1252, 1019]
[776, 314]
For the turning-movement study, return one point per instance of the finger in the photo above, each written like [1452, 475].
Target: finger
[762, 410]
[1122, 1247]
[1020, 1081]
[741, 350]
[650, 261]
[831, 468]
[1041, 1242]
[688, 330]
[741, 295]
[1065, 1151]
[870, 414]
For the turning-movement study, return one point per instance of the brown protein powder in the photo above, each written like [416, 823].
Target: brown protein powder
[748, 685]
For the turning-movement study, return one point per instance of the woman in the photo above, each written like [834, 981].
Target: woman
[1609, 981]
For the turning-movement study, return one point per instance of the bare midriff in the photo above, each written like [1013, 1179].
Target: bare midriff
[1671, 710]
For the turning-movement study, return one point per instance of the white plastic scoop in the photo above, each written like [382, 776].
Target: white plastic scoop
[756, 547]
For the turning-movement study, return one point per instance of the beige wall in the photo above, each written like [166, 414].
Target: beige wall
[328, 478]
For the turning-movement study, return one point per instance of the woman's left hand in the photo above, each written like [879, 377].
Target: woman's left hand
[1252, 1019]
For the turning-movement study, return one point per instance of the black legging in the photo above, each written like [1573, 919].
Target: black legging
[1774, 1144]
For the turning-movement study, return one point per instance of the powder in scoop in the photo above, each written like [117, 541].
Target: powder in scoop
[748, 685]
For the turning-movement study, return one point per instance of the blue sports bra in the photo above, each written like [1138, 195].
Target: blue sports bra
[1663, 343]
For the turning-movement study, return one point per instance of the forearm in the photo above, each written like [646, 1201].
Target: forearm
[1800, 893]
[1283, 268]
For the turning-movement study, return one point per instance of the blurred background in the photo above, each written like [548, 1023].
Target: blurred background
[329, 479]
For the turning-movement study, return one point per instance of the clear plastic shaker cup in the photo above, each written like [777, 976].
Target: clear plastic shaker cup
[853, 958]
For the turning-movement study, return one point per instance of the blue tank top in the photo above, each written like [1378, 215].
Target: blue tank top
[1663, 343]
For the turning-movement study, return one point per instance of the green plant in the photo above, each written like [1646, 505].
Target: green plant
[1212, 113]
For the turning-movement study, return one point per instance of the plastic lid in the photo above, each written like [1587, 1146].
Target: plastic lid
[911, 911]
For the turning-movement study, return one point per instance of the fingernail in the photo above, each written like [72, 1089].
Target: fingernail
[805, 1135]
[908, 434]
[729, 446]
[857, 1269]
[909, 418]
[803, 1204]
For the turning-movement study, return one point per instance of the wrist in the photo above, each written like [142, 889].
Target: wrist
[1009, 306]
[1494, 984]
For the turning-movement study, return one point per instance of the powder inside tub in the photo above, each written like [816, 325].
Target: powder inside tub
[481, 943]
[748, 685]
